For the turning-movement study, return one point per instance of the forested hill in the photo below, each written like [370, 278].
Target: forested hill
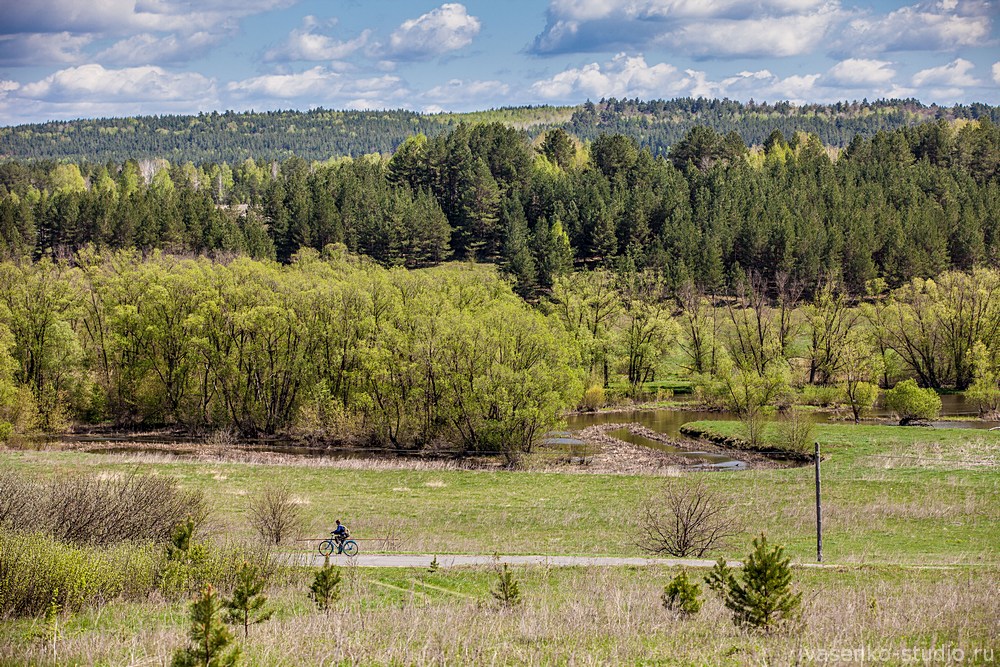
[320, 134]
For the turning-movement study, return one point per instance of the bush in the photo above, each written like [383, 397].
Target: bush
[911, 403]
[685, 520]
[593, 398]
[88, 509]
[820, 395]
[274, 515]
[34, 566]
[681, 595]
[763, 598]
[796, 433]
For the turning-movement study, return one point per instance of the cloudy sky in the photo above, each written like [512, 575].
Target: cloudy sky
[62, 59]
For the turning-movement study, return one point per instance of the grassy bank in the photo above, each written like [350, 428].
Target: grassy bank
[569, 616]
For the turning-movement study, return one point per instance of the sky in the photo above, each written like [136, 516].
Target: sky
[66, 59]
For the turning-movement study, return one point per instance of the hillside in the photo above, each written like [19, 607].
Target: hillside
[321, 134]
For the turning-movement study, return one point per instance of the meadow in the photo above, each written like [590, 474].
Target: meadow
[911, 520]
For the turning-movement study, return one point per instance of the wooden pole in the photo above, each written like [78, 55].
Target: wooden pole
[819, 514]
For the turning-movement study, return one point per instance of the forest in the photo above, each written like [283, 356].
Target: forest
[321, 134]
[908, 203]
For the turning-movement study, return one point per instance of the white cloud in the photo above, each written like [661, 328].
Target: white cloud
[996, 73]
[772, 36]
[860, 72]
[954, 75]
[459, 91]
[447, 28]
[306, 44]
[42, 48]
[624, 76]
[320, 84]
[94, 83]
[943, 26]
[765, 85]
[147, 48]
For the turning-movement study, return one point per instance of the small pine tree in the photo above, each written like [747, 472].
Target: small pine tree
[180, 540]
[764, 597]
[210, 638]
[434, 565]
[507, 592]
[682, 595]
[325, 588]
[246, 606]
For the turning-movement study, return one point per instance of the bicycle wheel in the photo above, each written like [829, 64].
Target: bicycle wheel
[326, 547]
[351, 548]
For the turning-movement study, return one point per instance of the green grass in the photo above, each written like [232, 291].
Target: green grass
[878, 506]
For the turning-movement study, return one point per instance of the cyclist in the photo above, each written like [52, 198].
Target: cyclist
[340, 534]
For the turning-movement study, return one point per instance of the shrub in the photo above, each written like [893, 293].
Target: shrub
[861, 396]
[274, 515]
[911, 403]
[685, 520]
[762, 598]
[681, 595]
[796, 432]
[593, 398]
[820, 395]
[210, 638]
[35, 569]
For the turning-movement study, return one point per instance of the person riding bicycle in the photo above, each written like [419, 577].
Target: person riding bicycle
[340, 534]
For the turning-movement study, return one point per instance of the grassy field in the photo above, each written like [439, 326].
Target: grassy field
[891, 494]
[569, 616]
[911, 525]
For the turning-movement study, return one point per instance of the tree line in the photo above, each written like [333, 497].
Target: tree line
[909, 203]
[333, 344]
[321, 134]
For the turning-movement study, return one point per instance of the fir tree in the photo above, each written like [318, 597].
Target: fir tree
[507, 592]
[682, 595]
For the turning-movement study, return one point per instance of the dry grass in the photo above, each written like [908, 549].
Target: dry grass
[572, 617]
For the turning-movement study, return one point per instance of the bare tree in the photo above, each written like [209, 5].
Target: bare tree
[685, 520]
[273, 514]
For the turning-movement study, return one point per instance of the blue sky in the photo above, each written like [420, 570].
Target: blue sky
[62, 59]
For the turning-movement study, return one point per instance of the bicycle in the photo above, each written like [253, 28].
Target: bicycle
[329, 546]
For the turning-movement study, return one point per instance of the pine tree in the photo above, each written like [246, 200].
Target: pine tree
[325, 587]
[246, 606]
[507, 592]
[762, 597]
[682, 595]
[210, 638]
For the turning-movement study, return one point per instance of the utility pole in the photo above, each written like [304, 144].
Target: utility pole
[819, 514]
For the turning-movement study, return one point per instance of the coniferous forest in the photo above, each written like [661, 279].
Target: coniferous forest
[910, 202]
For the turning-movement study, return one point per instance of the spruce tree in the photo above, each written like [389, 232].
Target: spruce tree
[325, 588]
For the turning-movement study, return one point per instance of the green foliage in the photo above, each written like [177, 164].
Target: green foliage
[682, 595]
[985, 389]
[210, 639]
[762, 597]
[433, 567]
[911, 403]
[325, 588]
[593, 398]
[246, 605]
[38, 570]
[507, 592]
[796, 432]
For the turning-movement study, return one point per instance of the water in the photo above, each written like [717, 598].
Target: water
[705, 459]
